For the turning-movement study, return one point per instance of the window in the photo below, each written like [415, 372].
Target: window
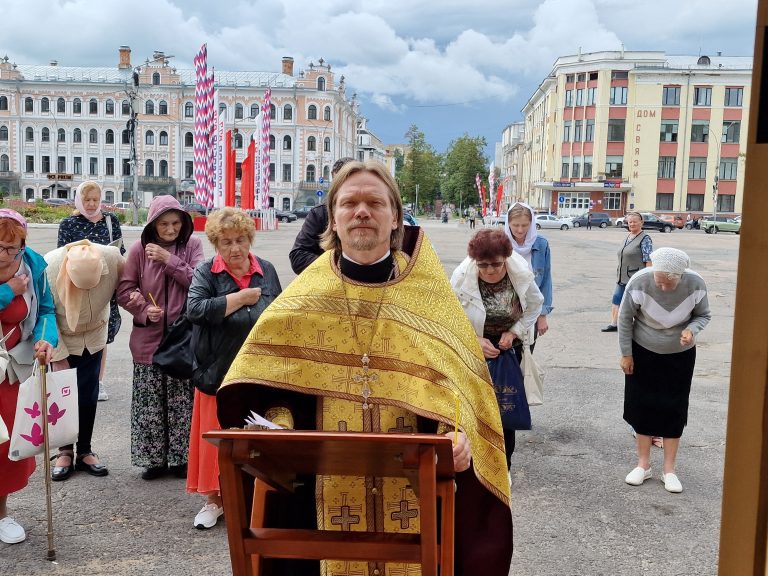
[286, 172]
[3, 133]
[616, 129]
[619, 74]
[327, 113]
[589, 131]
[149, 168]
[567, 131]
[109, 197]
[29, 134]
[581, 77]
[109, 108]
[577, 130]
[287, 112]
[700, 131]
[591, 96]
[189, 140]
[726, 202]
[569, 78]
[164, 168]
[697, 168]
[109, 137]
[728, 168]
[222, 109]
[109, 168]
[664, 201]
[327, 144]
[565, 167]
[163, 108]
[77, 106]
[666, 167]
[612, 200]
[30, 192]
[126, 137]
[694, 202]
[189, 167]
[45, 135]
[326, 173]
[731, 132]
[149, 137]
[156, 79]
[580, 97]
[93, 106]
[312, 112]
[272, 172]
[46, 164]
[189, 110]
[4, 104]
[702, 96]
[238, 111]
[29, 106]
[77, 136]
[5, 163]
[45, 105]
[321, 84]
[619, 95]
[238, 143]
[286, 146]
[61, 106]
[93, 136]
[670, 96]
[29, 164]
[77, 165]
[61, 135]
[311, 173]
[93, 166]
[668, 131]
[272, 112]
[576, 168]
[61, 164]
[569, 97]
[163, 138]
[254, 110]
[311, 145]
[126, 167]
[614, 166]
[271, 142]
[149, 107]
[733, 96]
[125, 108]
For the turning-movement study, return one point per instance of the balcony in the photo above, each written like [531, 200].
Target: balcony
[313, 185]
[154, 184]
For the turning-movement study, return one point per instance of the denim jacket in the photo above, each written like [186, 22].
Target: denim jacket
[542, 271]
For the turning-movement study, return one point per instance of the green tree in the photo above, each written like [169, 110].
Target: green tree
[463, 160]
[421, 168]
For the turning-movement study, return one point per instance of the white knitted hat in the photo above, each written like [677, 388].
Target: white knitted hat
[670, 260]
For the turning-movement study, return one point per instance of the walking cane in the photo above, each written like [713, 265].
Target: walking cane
[46, 454]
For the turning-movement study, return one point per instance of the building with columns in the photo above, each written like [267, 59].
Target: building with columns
[61, 125]
[618, 131]
[512, 148]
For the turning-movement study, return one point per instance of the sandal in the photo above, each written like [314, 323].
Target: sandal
[59, 473]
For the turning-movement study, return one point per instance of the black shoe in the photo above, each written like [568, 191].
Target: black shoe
[179, 471]
[153, 472]
[92, 469]
[59, 473]
[610, 328]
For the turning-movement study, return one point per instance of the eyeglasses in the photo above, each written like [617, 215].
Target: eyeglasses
[491, 265]
[11, 250]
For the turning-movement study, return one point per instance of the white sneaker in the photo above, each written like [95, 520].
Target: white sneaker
[103, 396]
[208, 516]
[672, 483]
[11, 532]
[638, 476]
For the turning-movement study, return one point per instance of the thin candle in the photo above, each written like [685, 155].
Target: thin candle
[152, 299]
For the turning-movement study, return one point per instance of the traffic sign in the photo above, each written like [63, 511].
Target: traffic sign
[321, 179]
[561, 199]
[319, 193]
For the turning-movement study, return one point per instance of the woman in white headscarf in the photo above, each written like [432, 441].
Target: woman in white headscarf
[90, 223]
[664, 307]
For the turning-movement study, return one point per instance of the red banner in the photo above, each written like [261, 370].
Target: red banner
[499, 195]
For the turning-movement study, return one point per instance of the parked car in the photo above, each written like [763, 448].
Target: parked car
[552, 221]
[600, 219]
[676, 220]
[302, 211]
[409, 220]
[193, 207]
[653, 222]
[720, 224]
[285, 216]
[122, 206]
[58, 202]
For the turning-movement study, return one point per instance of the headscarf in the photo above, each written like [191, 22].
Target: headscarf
[94, 215]
[13, 215]
[530, 237]
[670, 260]
[81, 270]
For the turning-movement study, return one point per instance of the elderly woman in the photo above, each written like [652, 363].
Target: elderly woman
[26, 309]
[228, 294]
[496, 288]
[664, 308]
[535, 250]
[154, 290]
[90, 223]
[634, 254]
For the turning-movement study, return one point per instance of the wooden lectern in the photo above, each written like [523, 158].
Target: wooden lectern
[276, 457]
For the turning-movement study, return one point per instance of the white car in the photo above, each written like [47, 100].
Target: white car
[551, 221]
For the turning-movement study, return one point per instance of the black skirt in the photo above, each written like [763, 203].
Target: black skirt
[656, 395]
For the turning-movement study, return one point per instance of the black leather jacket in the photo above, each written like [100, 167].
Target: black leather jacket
[218, 338]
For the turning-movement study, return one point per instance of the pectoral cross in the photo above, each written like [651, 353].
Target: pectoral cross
[365, 379]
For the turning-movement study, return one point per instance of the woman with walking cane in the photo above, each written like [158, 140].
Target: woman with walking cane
[27, 320]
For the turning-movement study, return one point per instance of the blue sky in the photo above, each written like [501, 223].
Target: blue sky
[449, 66]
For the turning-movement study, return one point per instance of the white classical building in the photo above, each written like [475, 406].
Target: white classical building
[60, 125]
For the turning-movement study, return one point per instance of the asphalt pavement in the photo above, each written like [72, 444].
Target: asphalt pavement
[573, 513]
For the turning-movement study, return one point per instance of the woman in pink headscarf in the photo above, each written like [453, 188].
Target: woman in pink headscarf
[90, 223]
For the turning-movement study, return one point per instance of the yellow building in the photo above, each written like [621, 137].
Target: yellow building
[618, 131]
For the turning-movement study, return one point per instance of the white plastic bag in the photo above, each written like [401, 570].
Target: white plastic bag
[3, 432]
[27, 439]
[533, 377]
